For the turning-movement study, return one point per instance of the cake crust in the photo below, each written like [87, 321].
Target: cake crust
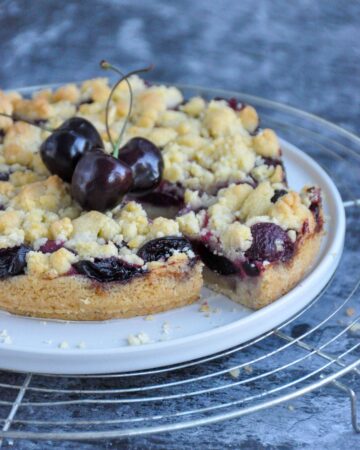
[76, 297]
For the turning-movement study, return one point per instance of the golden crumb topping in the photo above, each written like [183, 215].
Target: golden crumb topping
[229, 169]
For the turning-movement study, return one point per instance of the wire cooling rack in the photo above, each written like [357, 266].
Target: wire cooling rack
[317, 347]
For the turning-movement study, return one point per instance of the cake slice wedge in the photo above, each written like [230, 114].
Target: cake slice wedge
[256, 243]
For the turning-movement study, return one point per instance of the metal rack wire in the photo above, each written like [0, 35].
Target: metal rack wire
[315, 348]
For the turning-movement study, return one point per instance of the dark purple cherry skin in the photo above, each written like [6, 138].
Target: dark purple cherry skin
[270, 243]
[4, 176]
[13, 260]
[146, 162]
[315, 206]
[62, 150]
[216, 263]
[233, 103]
[166, 194]
[162, 248]
[278, 194]
[251, 269]
[84, 128]
[100, 181]
[51, 246]
[108, 269]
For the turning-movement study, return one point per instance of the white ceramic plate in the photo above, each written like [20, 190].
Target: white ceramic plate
[180, 335]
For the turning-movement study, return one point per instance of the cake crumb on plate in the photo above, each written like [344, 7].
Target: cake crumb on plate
[63, 345]
[138, 339]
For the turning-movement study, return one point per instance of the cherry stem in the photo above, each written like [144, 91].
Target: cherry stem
[124, 77]
[17, 118]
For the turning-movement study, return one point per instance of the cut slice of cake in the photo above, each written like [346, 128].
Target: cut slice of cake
[257, 243]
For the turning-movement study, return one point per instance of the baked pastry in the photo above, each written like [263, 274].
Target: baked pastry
[77, 245]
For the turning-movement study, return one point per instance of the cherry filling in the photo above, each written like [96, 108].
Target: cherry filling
[114, 269]
[88, 101]
[252, 269]
[108, 269]
[277, 194]
[272, 162]
[233, 103]
[166, 194]
[216, 263]
[51, 246]
[13, 260]
[163, 248]
[270, 243]
[39, 122]
[315, 206]
[4, 176]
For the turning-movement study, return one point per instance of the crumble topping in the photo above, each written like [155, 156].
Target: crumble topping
[50, 265]
[138, 339]
[230, 171]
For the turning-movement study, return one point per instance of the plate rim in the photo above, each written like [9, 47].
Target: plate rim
[327, 261]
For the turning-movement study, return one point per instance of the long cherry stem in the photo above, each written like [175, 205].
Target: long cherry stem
[17, 118]
[124, 77]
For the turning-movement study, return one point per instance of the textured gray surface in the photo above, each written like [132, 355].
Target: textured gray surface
[304, 54]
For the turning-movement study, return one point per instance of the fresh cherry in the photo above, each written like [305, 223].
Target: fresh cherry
[146, 163]
[100, 181]
[84, 128]
[62, 150]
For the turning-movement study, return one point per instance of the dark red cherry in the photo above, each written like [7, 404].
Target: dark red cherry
[252, 269]
[108, 269]
[216, 263]
[270, 243]
[62, 150]
[84, 128]
[100, 181]
[51, 246]
[166, 194]
[146, 163]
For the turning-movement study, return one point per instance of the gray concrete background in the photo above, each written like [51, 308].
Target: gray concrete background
[303, 53]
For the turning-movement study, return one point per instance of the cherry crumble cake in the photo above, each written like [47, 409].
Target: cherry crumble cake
[95, 226]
